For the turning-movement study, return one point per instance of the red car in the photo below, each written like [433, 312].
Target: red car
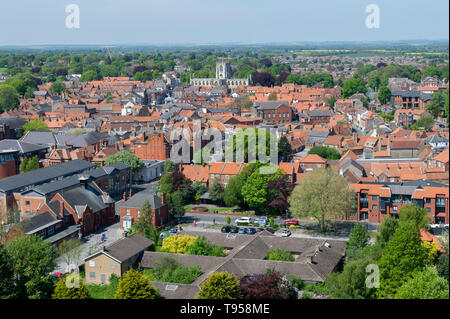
[291, 222]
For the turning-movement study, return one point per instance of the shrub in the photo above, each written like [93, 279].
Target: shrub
[167, 269]
[202, 247]
[296, 282]
[279, 254]
[220, 285]
[135, 285]
[62, 291]
[178, 244]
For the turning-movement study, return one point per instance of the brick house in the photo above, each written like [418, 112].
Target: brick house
[130, 209]
[275, 112]
[151, 147]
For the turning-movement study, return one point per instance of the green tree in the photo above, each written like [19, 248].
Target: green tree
[384, 94]
[404, 254]
[7, 290]
[359, 238]
[176, 204]
[255, 191]
[127, 158]
[412, 213]
[90, 75]
[425, 284]
[312, 196]
[325, 152]
[144, 225]
[32, 260]
[284, 148]
[29, 164]
[437, 103]
[204, 248]
[216, 192]
[352, 86]
[9, 98]
[386, 230]
[351, 282]
[58, 87]
[35, 125]
[169, 166]
[220, 285]
[331, 102]
[75, 290]
[232, 195]
[135, 285]
[425, 122]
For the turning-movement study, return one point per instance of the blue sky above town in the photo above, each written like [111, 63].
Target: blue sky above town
[31, 22]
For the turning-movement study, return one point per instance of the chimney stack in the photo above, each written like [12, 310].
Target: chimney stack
[163, 198]
[130, 194]
[124, 196]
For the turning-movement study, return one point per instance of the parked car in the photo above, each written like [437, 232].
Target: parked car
[173, 231]
[225, 229]
[262, 221]
[285, 233]
[241, 230]
[291, 222]
[243, 220]
[259, 229]
[234, 229]
[250, 231]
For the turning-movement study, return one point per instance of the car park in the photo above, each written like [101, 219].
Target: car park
[225, 229]
[234, 229]
[250, 230]
[241, 230]
[285, 233]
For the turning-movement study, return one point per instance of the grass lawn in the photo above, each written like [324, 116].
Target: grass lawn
[101, 291]
[104, 291]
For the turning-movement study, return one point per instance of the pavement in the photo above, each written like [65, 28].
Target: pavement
[92, 243]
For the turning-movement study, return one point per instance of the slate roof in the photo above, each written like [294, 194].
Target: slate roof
[38, 222]
[81, 197]
[272, 105]
[43, 175]
[125, 248]
[20, 146]
[137, 200]
[13, 122]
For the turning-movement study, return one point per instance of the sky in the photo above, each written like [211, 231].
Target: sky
[162, 22]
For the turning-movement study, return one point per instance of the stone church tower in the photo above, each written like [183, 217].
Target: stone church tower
[223, 69]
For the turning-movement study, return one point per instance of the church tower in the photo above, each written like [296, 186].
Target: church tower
[223, 69]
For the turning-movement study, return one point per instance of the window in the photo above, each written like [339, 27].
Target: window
[113, 265]
[91, 263]
[279, 115]
[27, 203]
[50, 231]
[268, 115]
[428, 200]
[92, 275]
[374, 198]
[128, 212]
[138, 213]
[374, 207]
[395, 208]
[428, 209]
